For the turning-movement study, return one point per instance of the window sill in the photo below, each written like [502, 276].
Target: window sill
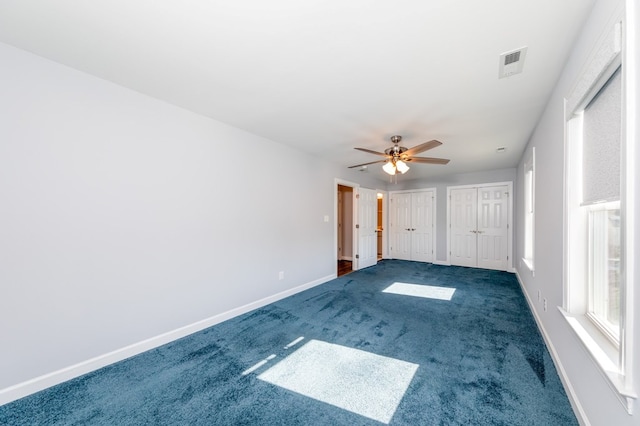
[529, 264]
[604, 353]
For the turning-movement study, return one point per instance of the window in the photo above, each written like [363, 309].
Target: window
[593, 206]
[604, 268]
[602, 128]
[529, 207]
[599, 200]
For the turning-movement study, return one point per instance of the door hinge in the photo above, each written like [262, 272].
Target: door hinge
[357, 226]
[357, 195]
[357, 256]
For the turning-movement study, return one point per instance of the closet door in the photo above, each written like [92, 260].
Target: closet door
[411, 226]
[400, 226]
[422, 226]
[493, 227]
[479, 227]
[463, 235]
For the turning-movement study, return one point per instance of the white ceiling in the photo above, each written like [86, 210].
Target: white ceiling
[325, 76]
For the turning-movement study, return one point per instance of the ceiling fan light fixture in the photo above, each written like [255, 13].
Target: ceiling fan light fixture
[389, 168]
[402, 166]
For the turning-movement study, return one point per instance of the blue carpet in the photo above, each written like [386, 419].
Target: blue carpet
[479, 359]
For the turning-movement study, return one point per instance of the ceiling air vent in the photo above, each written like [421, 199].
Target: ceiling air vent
[512, 62]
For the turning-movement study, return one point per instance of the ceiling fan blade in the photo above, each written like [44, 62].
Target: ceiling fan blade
[429, 160]
[422, 147]
[366, 164]
[372, 152]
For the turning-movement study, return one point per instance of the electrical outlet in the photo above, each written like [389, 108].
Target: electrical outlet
[281, 275]
[545, 305]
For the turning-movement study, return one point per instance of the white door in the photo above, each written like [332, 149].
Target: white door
[422, 226]
[479, 227]
[367, 225]
[400, 226]
[492, 227]
[463, 222]
[411, 226]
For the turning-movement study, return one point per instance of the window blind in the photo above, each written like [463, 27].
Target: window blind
[602, 128]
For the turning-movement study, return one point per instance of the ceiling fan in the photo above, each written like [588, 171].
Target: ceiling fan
[397, 157]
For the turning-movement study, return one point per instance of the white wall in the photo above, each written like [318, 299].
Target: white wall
[593, 394]
[441, 183]
[123, 217]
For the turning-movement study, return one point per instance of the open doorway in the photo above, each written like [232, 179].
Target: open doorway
[345, 227]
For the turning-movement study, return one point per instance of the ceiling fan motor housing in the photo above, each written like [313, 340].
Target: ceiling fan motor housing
[395, 150]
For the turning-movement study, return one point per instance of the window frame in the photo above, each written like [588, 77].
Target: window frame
[614, 361]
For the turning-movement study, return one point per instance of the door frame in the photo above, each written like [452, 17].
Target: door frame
[356, 212]
[509, 184]
[434, 237]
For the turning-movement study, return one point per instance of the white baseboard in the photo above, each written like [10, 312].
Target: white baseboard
[573, 398]
[441, 262]
[37, 384]
[349, 258]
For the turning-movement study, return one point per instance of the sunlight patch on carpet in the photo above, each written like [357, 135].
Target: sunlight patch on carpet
[295, 342]
[426, 291]
[258, 365]
[361, 382]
